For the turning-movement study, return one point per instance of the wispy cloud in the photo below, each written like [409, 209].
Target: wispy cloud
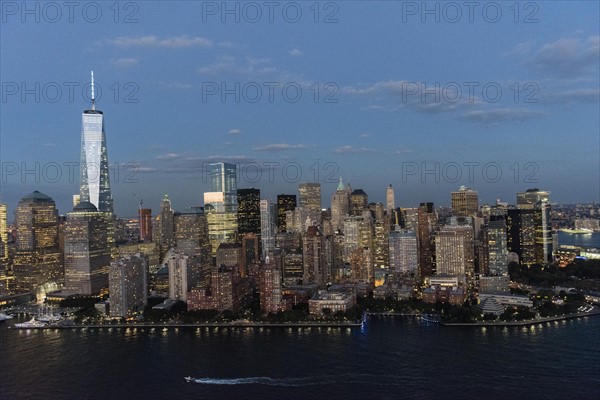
[295, 53]
[347, 149]
[573, 96]
[229, 65]
[168, 156]
[155, 41]
[401, 152]
[568, 57]
[235, 132]
[124, 62]
[501, 115]
[279, 147]
[364, 136]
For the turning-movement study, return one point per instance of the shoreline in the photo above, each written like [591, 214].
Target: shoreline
[204, 325]
[522, 323]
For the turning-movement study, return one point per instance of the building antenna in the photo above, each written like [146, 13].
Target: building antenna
[93, 95]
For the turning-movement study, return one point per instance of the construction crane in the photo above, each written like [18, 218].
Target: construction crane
[140, 202]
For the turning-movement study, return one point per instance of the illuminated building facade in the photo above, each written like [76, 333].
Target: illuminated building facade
[127, 285]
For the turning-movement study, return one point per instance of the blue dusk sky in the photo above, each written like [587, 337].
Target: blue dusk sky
[497, 96]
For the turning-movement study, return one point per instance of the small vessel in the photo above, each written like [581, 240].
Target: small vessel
[33, 323]
[188, 378]
[431, 318]
[4, 316]
[582, 231]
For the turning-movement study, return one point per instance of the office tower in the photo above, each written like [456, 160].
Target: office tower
[426, 221]
[94, 177]
[165, 230]
[127, 285]
[454, 249]
[3, 234]
[179, 276]
[404, 255]
[359, 202]
[38, 258]
[381, 232]
[310, 200]
[340, 206]
[221, 205]
[191, 233]
[529, 227]
[87, 251]
[390, 199]
[465, 202]
[496, 247]
[248, 211]
[76, 200]
[271, 299]
[267, 227]
[231, 255]
[250, 249]
[145, 216]
[285, 203]
[312, 251]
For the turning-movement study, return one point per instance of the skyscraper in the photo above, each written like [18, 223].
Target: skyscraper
[38, 258]
[248, 211]
[267, 227]
[532, 216]
[285, 202]
[94, 175]
[340, 206]
[3, 234]
[404, 257]
[128, 285]
[145, 215]
[221, 205]
[455, 252]
[87, 252]
[359, 201]
[165, 229]
[425, 227]
[310, 200]
[390, 200]
[465, 202]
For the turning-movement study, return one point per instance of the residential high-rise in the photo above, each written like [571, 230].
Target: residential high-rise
[340, 206]
[267, 227]
[310, 200]
[359, 202]
[404, 256]
[426, 221]
[180, 276]
[221, 205]
[389, 199]
[94, 175]
[271, 299]
[285, 202]
[3, 234]
[312, 250]
[38, 258]
[165, 230]
[145, 215]
[86, 250]
[191, 239]
[465, 202]
[454, 249]
[127, 285]
[248, 211]
[496, 247]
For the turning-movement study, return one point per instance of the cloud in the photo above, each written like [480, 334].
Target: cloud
[364, 136]
[229, 65]
[401, 152]
[501, 115]
[352, 150]
[235, 132]
[124, 62]
[279, 147]
[568, 57]
[295, 53]
[574, 96]
[155, 41]
[168, 156]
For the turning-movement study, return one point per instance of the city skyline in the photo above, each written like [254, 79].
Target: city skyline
[393, 123]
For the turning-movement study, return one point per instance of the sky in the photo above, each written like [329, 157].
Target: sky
[496, 96]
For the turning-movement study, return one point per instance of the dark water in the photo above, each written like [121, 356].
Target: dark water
[389, 359]
[586, 241]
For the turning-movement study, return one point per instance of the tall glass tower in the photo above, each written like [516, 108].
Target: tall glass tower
[94, 178]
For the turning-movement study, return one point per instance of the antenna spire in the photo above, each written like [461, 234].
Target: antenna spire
[93, 95]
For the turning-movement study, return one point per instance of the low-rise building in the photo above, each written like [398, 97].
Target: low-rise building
[333, 301]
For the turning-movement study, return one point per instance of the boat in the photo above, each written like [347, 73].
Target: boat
[581, 231]
[33, 323]
[48, 316]
[4, 316]
[188, 378]
[431, 318]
